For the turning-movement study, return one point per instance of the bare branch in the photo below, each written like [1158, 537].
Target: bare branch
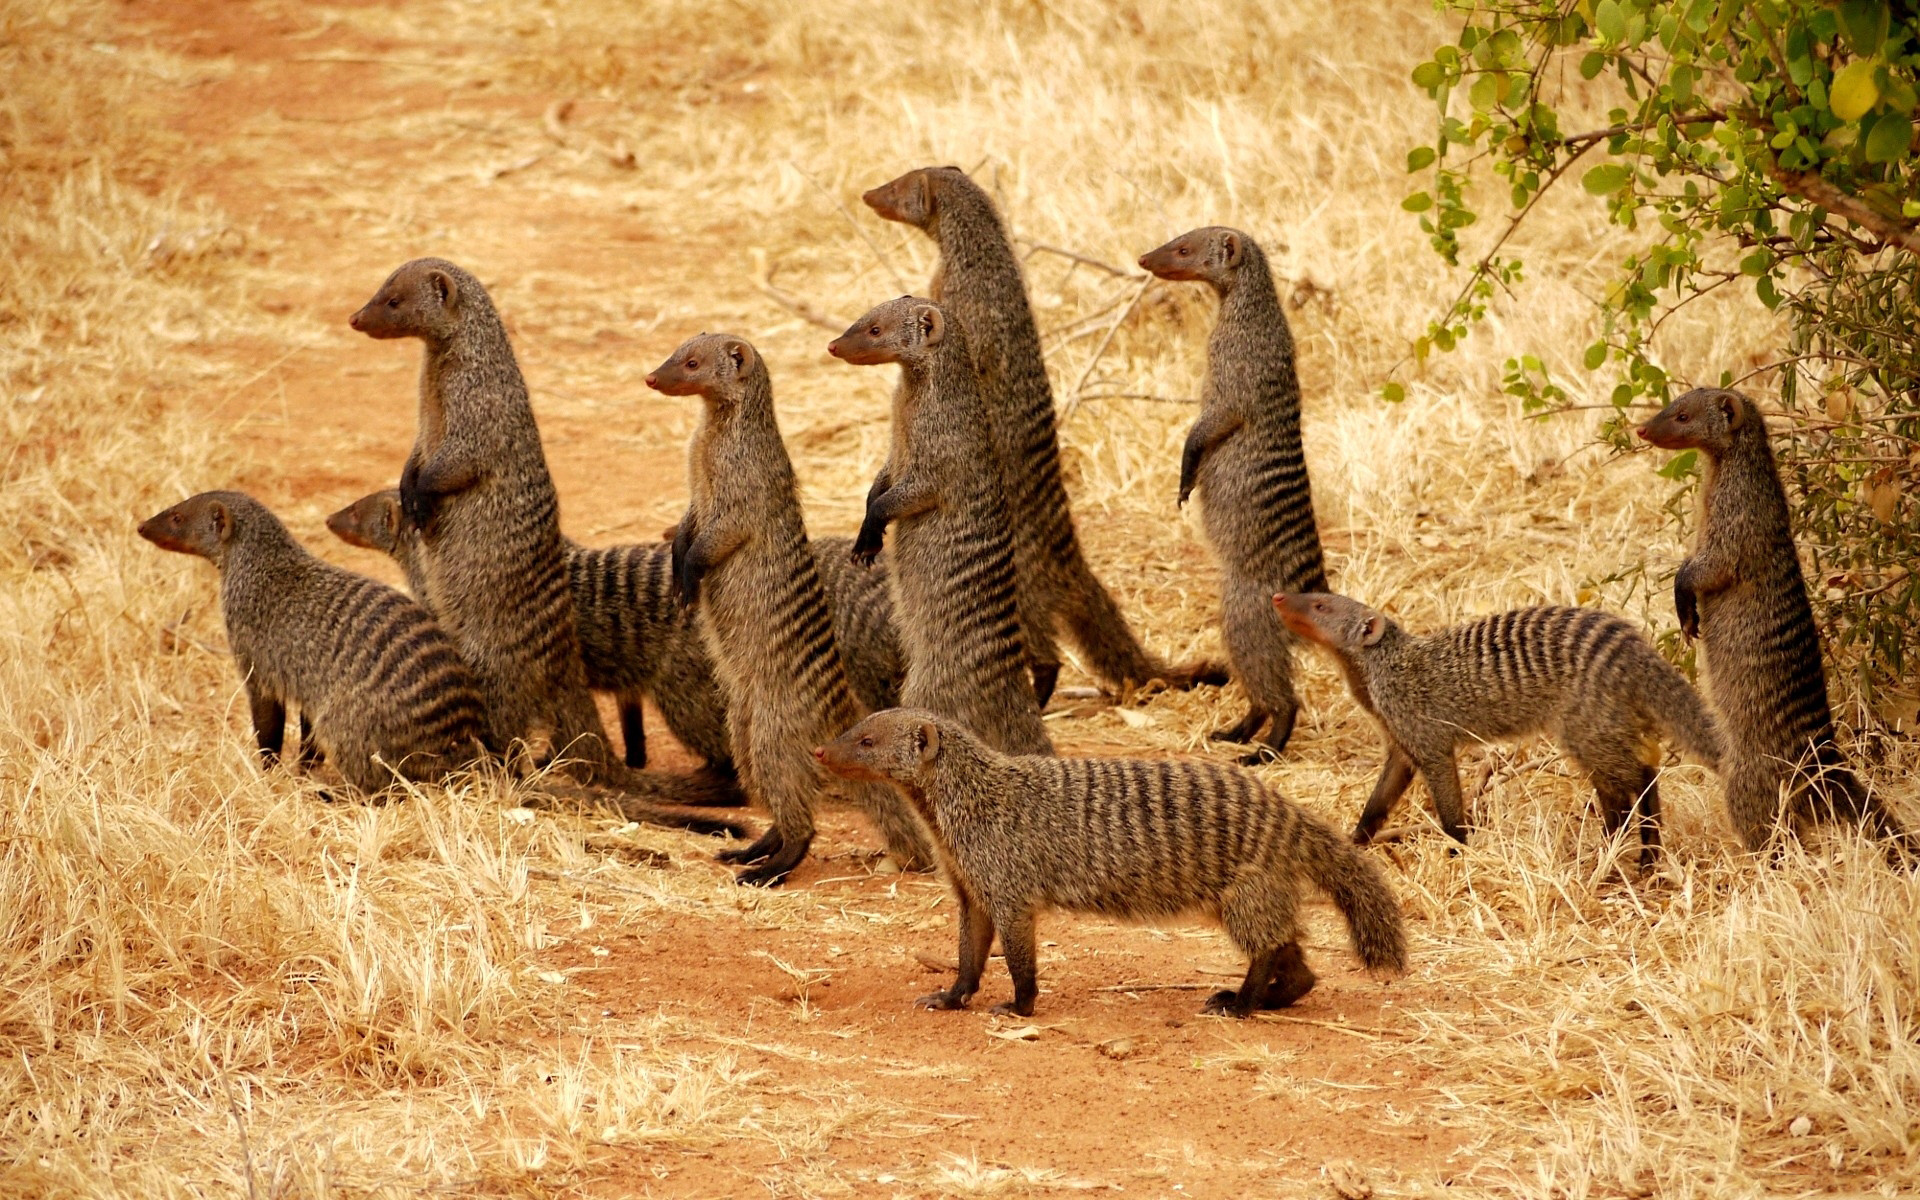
[1819, 191]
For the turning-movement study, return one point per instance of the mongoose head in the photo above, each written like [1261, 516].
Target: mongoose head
[903, 330]
[1332, 621]
[896, 745]
[371, 522]
[1703, 419]
[716, 366]
[203, 524]
[914, 198]
[1210, 255]
[427, 298]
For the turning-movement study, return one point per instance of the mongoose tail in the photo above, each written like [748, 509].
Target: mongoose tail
[1244, 458]
[1126, 838]
[979, 282]
[1741, 592]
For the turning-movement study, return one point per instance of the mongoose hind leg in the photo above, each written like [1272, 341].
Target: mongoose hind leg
[1262, 654]
[1253, 989]
[1292, 978]
[310, 755]
[1396, 775]
[976, 939]
[269, 724]
[902, 834]
[1275, 743]
[1443, 783]
[1244, 729]
[1016, 942]
[633, 730]
[787, 779]
[1046, 675]
[1627, 789]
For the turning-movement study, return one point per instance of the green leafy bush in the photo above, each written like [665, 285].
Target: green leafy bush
[1764, 144]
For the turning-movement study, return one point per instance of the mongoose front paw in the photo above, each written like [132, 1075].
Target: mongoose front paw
[941, 1001]
[866, 547]
[767, 874]
[1013, 1008]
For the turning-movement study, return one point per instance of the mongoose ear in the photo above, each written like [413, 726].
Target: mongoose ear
[741, 354]
[1230, 244]
[927, 740]
[1729, 408]
[1373, 629]
[444, 287]
[222, 518]
[933, 324]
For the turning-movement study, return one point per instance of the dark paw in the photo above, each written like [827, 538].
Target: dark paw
[941, 1001]
[1013, 1008]
[1292, 980]
[715, 828]
[767, 874]
[1232, 734]
[1259, 758]
[1225, 1003]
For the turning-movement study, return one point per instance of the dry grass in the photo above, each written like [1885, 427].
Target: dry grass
[213, 984]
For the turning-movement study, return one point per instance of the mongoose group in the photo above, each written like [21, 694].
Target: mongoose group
[904, 671]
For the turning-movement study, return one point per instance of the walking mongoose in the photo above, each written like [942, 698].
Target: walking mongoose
[1588, 678]
[953, 572]
[978, 284]
[635, 643]
[1742, 594]
[744, 566]
[1123, 837]
[476, 487]
[381, 688]
[1243, 455]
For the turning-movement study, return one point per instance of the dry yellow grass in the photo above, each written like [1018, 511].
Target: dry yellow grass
[211, 983]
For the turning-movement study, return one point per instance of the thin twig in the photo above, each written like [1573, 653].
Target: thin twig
[857, 228]
[802, 309]
[1109, 268]
[1080, 388]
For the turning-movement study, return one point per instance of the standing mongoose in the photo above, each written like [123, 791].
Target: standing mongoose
[1124, 837]
[953, 572]
[1741, 593]
[1588, 678]
[382, 687]
[1244, 457]
[636, 644]
[744, 565]
[476, 487]
[978, 284]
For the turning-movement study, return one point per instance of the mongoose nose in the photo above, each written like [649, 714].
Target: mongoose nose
[653, 380]
[1142, 260]
[833, 347]
[355, 319]
[820, 752]
[1642, 431]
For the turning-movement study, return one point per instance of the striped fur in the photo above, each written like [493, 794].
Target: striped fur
[380, 684]
[743, 560]
[1588, 678]
[1741, 592]
[953, 572]
[476, 485]
[979, 284]
[636, 641]
[1244, 457]
[1122, 837]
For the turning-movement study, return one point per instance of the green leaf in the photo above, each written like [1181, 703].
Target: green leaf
[1606, 179]
[1889, 138]
[1866, 24]
[1756, 262]
[1595, 356]
[1418, 202]
[1485, 92]
[1854, 93]
[1394, 393]
[1428, 75]
[1419, 158]
[1592, 64]
[1681, 465]
[1611, 20]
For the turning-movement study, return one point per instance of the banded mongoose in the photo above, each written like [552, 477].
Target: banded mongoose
[1243, 455]
[635, 643]
[380, 687]
[978, 283]
[1588, 678]
[1742, 594]
[1123, 837]
[744, 566]
[380, 684]
[476, 487]
[953, 573]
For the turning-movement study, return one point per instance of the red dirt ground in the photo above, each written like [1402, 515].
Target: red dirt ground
[332, 421]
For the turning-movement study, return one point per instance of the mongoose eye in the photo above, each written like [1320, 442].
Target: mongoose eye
[873, 330]
[866, 741]
[393, 302]
[1683, 418]
[692, 364]
[1183, 252]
